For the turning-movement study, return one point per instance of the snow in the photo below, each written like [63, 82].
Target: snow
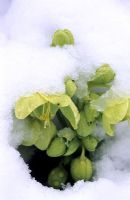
[27, 64]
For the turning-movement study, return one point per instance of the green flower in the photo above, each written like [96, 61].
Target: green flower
[44, 107]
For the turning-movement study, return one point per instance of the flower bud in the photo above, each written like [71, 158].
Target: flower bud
[66, 133]
[57, 147]
[81, 169]
[104, 75]
[72, 147]
[70, 87]
[62, 37]
[57, 177]
[90, 143]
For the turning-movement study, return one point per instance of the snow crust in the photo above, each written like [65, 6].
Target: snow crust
[27, 64]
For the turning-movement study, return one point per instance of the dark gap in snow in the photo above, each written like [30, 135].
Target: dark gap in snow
[40, 164]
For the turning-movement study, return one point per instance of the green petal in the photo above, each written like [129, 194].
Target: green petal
[71, 113]
[70, 36]
[38, 112]
[45, 112]
[84, 128]
[109, 128]
[61, 100]
[90, 113]
[67, 107]
[25, 105]
[46, 136]
[116, 110]
[60, 38]
[53, 110]
[33, 132]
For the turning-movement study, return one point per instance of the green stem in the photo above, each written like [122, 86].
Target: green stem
[83, 152]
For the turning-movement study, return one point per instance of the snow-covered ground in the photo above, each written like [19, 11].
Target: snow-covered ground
[101, 29]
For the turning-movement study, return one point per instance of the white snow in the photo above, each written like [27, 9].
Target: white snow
[27, 64]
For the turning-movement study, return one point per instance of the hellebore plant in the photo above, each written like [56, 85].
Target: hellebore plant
[64, 125]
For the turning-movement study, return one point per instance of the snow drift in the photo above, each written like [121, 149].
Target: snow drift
[27, 64]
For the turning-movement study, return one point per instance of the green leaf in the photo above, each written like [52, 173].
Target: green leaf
[90, 113]
[25, 105]
[57, 147]
[67, 107]
[73, 146]
[72, 115]
[66, 133]
[84, 128]
[46, 136]
[38, 112]
[45, 113]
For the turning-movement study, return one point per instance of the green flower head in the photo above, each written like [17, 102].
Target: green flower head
[62, 37]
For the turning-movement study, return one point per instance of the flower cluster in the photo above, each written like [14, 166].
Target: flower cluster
[64, 125]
